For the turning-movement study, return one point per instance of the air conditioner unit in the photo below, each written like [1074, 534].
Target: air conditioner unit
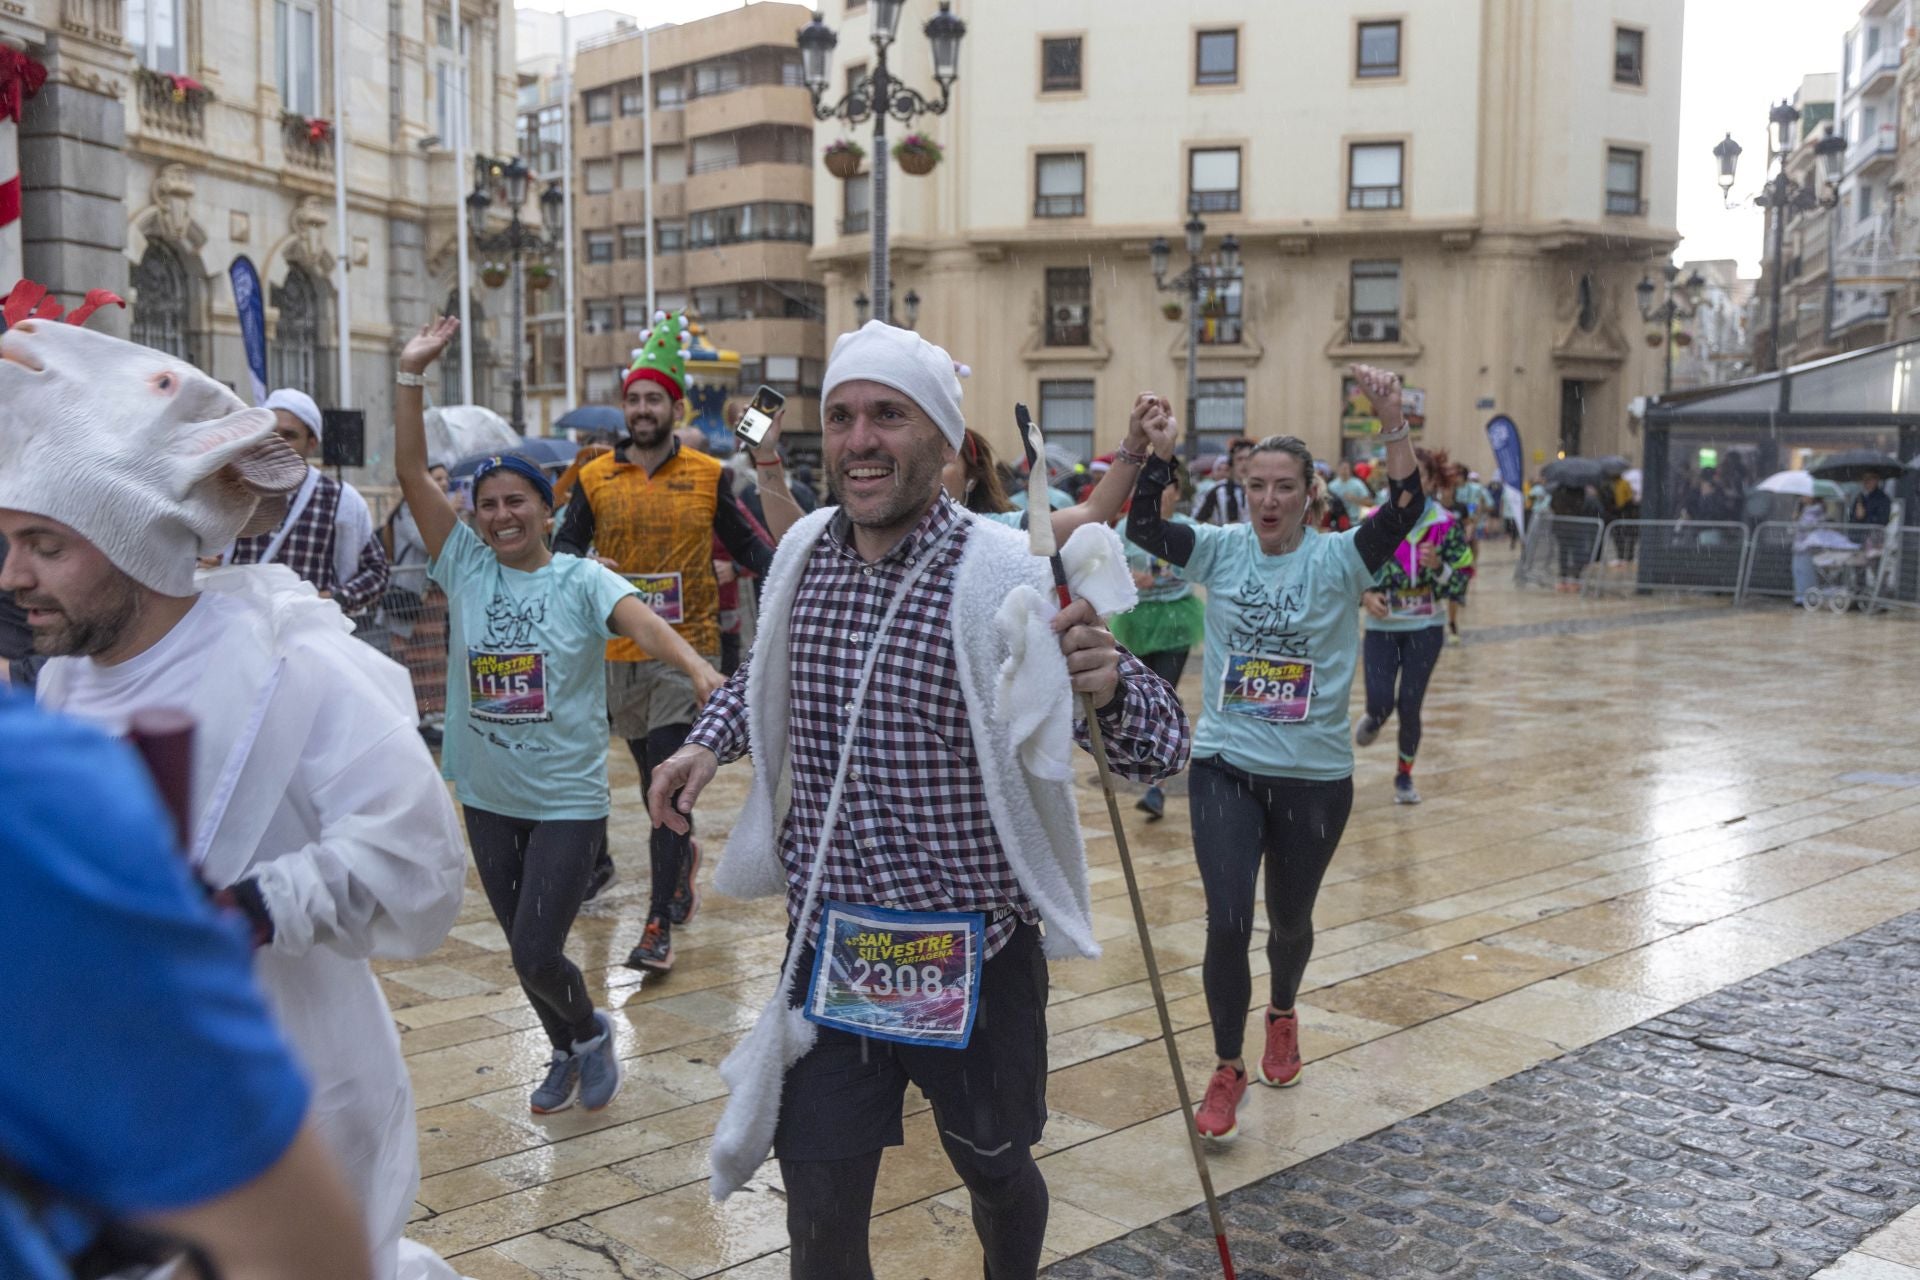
[1071, 314]
[1366, 331]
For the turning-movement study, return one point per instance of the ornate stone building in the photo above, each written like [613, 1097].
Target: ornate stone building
[173, 136]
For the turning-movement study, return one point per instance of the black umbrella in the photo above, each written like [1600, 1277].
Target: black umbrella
[1852, 464]
[599, 419]
[544, 451]
[1573, 473]
[1614, 466]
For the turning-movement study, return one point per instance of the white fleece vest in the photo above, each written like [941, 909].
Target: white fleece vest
[1036, 819]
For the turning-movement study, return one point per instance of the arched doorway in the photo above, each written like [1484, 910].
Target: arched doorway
[294, 359]
[162, 302]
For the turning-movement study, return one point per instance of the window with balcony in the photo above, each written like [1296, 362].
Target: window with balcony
[540, 139]
[1060, 64]
[670, 237]
[1629, 55]
[1069, 306]
[716, 151]
[599, 247]
[600, 316]
[748, 223]
[1213, 180]
[1216, 58]
[157, 34]
[547, 361]
[599, 106]
[1374, 174]
[296, 42]
[1220, 313]
[597, 177]
[633, 242]
[856, 205]
[633, 314]
[1863, 205]
[1067, 414]
[718, 75]
[1060, 185]
[1374, 302]
[1220, 411]
[1623, 183]
[789, 375]
[1378, 45]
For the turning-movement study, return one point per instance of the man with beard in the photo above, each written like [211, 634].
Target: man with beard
[911, 701]
[650, 510]
[314, 808]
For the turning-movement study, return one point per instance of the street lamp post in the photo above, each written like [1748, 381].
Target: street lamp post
[517, 239]
[1782, 194]
[1671, 310]
[1218, 270]
[879, 94]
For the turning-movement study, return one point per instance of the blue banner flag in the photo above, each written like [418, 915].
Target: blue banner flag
[253, 322]
[1505, 439]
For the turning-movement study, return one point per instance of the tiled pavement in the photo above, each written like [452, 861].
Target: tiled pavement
[1622, 818]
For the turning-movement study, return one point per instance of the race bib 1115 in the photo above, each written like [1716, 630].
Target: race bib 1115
[507, 686]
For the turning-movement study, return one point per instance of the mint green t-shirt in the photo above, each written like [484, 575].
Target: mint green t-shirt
[1284, 629]
[526, 731]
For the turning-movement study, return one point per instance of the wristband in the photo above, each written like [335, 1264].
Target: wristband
[771, 464]
[1395, 437]
[1124, 454]
[405, 379]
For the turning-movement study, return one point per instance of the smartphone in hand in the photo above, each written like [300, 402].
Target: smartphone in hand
[758, 419]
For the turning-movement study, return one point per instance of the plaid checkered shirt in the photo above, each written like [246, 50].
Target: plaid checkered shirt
[310, 550]
[915, 830]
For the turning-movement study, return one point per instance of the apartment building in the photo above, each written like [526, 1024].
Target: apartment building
[1865, 272]
[728, 162]
[1809, 291]
[1466, 190]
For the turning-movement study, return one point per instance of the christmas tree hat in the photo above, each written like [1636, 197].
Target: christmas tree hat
[664, 357]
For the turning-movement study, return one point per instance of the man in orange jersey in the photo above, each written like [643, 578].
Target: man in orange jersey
[650, 510]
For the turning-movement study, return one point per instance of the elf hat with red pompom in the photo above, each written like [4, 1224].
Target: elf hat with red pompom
[664, 357]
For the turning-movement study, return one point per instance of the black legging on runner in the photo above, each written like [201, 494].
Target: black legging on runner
[535, 875]
[1241, 820]
[668, 848]
[1168, 664]
[1409, 656]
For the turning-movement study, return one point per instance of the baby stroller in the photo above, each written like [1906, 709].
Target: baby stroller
[1842, 570]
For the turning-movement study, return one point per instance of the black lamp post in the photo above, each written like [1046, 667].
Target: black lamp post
[863, 307]
[880, 95]
[1782, 194]
[1672, 309]
[509, 181]
[1219, 270]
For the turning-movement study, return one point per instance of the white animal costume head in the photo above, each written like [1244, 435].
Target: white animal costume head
[146, 457]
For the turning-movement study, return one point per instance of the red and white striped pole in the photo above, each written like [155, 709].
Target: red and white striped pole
[20, 78]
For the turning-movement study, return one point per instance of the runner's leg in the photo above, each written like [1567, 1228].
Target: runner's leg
[1381, 657]
[828, 1204]
[558, 864]
[1168, 664]
[499, 846]
[668, 847]
[1304, 822]
[1227, 825]
[1419, 654]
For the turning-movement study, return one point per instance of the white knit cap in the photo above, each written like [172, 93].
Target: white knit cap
[901, 359]
[299, 404]
[147, 458]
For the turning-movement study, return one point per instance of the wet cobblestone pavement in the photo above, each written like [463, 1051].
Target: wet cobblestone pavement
[1761, 1131]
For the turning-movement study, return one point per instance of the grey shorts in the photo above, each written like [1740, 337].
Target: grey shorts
[644, 696]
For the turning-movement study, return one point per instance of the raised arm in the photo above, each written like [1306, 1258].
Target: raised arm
[1395, 517]
[632, 619]
[1145, 529]
[1103, 505]
[432, 511]
[781, 508]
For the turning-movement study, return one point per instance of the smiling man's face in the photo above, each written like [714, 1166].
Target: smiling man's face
[884, 455]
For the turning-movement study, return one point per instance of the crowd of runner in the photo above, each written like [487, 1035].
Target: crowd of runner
[910, 703]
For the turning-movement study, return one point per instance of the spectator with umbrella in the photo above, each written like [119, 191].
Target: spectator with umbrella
[1872, 505]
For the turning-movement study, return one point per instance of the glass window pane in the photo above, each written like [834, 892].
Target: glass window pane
[281, 34]
[633, 170]
[1060, 63]
[1219, 57]
[1217, 170]
[1379, 48]
[1376, 165]
[305, 47]
[599, 175]
[1062, 175]
[1221, 405]
[165, 38]
[1066, 405]
[1623, 172]
[137, 27]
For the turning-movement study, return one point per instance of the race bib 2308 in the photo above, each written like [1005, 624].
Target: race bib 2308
[1277, 690]
[908, 976]
[660, 592]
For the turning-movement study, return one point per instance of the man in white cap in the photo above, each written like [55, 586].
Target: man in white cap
[909, 704]
[327, 537]
[314, 808]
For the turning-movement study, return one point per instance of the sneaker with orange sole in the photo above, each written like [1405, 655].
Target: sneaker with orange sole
[1280, 1064]
[1216, 1117]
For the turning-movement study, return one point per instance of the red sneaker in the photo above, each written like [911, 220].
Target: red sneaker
[1280, 1064]
[1215, 1119]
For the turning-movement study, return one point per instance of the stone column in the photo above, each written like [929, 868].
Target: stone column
[73, 140]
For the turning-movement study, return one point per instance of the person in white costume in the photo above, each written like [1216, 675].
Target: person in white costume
[314, 806]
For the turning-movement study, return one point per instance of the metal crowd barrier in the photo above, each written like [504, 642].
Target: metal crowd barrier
[1687, 556]
[410, 626]
[1899, 585]
[1557, 549]
[1839, 574]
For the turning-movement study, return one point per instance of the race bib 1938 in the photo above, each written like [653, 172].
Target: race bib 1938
[1277, 690]
[660, 592]
[907, 976]
[507, 686]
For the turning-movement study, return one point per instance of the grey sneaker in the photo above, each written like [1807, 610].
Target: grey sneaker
[1365, 731]
[556, 1091]
[599, 1067]
[1403, 790]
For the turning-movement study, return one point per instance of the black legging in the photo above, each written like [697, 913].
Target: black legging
[1409, 656]
[1240, 821]
[829, 1202]
[535, 875]
[1168, 664]
[669, 848]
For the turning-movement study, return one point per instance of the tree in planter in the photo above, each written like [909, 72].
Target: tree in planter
[917, 153]
[844, 157]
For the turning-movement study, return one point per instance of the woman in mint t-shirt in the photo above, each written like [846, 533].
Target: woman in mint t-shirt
[1272, 773]
[526, 732]
[1405, 609]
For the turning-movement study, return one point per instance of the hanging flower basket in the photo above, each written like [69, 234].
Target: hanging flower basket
[844, 158]
[1681, 338]
[319, 131]
[493, 274]
[917, 154]
[539, 276]
[1171, 310]
[1654, 339]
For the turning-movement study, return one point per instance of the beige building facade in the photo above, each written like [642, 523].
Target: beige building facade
[1465, 190]
[732, 199]
[172, 138]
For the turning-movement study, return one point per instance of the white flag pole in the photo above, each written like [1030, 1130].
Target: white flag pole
[566, 220]
[343, 266]
[460, 285]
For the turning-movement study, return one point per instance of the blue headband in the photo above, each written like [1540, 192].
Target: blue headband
[520, 466]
